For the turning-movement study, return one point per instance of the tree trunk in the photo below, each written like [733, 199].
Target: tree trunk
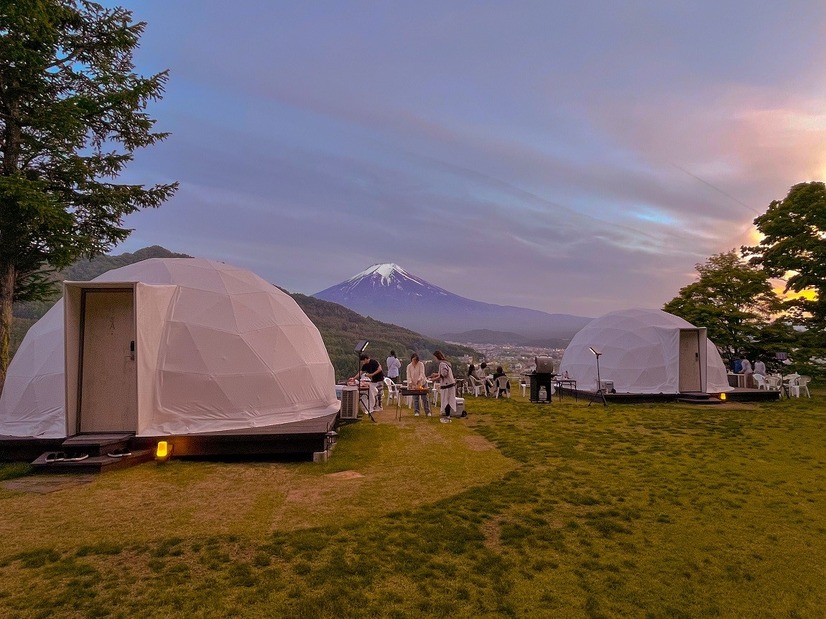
[7, 274]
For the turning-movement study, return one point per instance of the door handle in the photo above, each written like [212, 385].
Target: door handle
[132, 350]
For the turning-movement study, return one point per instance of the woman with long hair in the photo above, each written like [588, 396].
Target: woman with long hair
[447, 386]
[416, 380]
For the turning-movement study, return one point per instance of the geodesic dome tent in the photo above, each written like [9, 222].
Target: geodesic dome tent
[645, 351]
[168, 346]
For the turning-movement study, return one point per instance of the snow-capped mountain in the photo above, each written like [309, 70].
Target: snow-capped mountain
[388, 293]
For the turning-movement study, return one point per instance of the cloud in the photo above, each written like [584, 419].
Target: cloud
[561, 156]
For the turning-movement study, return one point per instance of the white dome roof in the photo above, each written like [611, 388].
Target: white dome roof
[640, 353]
[236, 352]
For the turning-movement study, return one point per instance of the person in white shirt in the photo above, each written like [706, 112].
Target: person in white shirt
[447, 384]
[482, 375]
[393, 366]
[760, 367]
[416, 380]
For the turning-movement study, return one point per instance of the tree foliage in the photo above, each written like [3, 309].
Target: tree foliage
[793, 248]
[72, 113]
[736, 303]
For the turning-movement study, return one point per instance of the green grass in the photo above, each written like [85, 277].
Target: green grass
[556, 511]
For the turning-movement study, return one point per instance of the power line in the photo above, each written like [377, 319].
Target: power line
[717, 189]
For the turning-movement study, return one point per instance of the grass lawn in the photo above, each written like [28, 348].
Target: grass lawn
[520, 510]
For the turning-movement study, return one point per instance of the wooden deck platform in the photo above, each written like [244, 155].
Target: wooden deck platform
[300, 439]
[736, 395]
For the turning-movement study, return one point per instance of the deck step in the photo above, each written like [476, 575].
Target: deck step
[97, 444]
[91, 464]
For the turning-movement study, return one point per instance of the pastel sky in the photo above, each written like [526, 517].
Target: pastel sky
[576, 157]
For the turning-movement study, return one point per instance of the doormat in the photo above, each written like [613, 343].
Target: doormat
[45, 485]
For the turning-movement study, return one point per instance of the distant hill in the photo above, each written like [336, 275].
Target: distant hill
[340, 327]
[87, 269]
[388, 292]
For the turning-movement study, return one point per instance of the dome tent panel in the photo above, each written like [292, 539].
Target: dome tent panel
[186, 368]
[32, 403]
[640, 353]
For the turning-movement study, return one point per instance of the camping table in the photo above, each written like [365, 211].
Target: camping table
[570, 382]
[405, 392]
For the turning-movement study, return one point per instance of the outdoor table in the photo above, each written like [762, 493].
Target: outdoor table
[570, 382]
[364, 389]
[405, 392]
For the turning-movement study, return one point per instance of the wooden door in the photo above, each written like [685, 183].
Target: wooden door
[108, 377]
[690, 361]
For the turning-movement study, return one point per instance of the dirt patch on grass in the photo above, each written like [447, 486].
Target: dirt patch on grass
[345, 475]
[492, 530]
[47, 485]
[478, 443]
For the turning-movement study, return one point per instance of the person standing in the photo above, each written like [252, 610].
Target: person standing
[393, 367]
[745, 368]
[416, 380]
[372, 369]
[760, 367]
[447, 385]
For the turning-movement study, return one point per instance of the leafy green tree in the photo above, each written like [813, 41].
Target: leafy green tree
[793, 248]
[735, 302]
[72, 113]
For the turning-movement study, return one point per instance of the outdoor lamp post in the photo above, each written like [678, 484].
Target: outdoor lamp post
[600, 391]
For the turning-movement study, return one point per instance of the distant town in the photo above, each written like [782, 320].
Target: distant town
[513, 358]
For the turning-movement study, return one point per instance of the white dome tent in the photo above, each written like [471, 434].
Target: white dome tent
[168, 347]
[645, 351]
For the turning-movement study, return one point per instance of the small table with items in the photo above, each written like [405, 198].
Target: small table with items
[405, 392]
[560, 382]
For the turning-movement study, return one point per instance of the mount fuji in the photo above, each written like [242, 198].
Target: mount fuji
[388, 293]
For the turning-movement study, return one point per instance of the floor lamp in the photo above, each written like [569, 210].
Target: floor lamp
[600, 391]
[361, 345]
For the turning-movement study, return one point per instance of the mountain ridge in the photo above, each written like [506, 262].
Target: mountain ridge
[391, 294]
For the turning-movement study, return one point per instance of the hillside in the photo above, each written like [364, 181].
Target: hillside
[87, 269]
[340, 327]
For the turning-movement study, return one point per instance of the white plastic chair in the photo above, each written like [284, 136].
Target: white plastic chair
[789, 382]
[802, 384]
[501, 387]
[475, 384]
[392, 390]
[761, 381]
[774, 383]
[524, 386]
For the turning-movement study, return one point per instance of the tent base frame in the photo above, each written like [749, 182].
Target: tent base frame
[299, 440]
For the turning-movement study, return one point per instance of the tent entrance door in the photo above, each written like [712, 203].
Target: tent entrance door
[690, 361]
[107, 377]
